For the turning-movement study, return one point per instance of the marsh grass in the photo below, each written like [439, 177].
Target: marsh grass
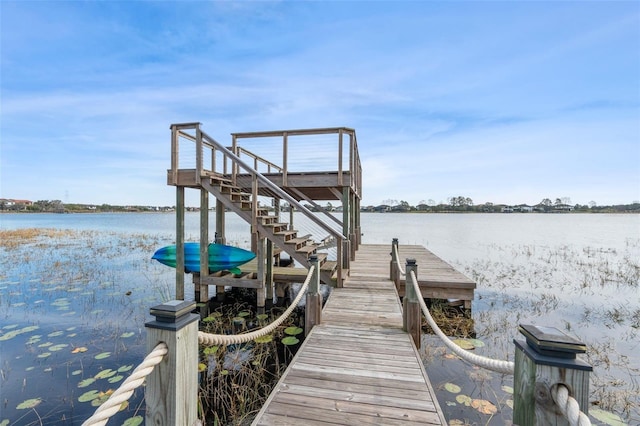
[236, 380]
[589, 293]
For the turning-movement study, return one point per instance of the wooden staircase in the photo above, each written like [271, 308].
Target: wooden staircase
[300, 248]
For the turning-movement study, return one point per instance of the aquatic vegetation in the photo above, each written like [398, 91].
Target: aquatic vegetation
[237, 379]
[571, 288]
[59, 291]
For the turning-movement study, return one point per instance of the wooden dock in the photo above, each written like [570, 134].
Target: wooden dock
[358, 366]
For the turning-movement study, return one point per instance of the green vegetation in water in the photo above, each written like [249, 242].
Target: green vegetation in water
[236, 380]
[566, 287]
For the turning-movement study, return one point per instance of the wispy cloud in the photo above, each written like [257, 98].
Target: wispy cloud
[490, 100]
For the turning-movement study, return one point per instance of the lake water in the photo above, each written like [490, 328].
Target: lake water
[92, 289]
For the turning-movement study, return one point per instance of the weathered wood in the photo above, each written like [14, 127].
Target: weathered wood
[535, 377]
[171, 394]
[313, 307]
[180, 243]
[357, 366]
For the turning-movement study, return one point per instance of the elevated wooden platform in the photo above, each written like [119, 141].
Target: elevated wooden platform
[357, 366]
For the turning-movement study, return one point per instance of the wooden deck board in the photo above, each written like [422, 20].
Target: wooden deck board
[357, 366]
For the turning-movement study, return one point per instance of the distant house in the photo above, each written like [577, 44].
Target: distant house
[563, 207]
[525, 208]
[507, 209]
[383, 208]
[14, 204]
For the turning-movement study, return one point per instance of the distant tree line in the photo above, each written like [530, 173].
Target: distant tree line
[466, 204]
[57, 206]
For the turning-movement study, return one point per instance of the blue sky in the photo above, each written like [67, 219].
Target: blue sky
[506, 102]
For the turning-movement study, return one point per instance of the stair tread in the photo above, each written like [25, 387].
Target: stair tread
[307, 249]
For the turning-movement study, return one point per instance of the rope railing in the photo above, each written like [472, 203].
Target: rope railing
[396, 257]
[231, 339]
[112, 405]
[505, 367]
[567, 405]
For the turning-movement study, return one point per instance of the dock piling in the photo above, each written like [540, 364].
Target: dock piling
[172, 388]
[412, 316]
[313, 310]
[545, 361]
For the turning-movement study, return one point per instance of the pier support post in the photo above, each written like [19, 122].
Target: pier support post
[547, 359]
[411, 318]
[394, 272]
[172, 388]
[313, 310]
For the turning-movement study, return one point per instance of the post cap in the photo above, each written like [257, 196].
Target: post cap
[313, 258]
[411, 262]
[173, 315]
[551, 342]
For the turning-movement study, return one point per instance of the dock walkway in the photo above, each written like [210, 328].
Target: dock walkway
[358, 366]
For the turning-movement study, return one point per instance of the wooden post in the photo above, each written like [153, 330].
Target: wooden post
[172, 388]
[313, 309]
[220, 239]
[268, 277]
[411, 318]
[261, 291]
[546, 360]
[394, 273]
[202, 290]
[180, 242]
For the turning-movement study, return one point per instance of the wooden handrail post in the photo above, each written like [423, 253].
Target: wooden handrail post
[313, 310]
[411, 318]
[545, 360]
[393, 264]
[172, 388]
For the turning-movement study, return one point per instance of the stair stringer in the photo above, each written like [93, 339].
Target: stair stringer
[279, 241]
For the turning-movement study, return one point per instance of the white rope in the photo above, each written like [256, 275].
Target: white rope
[230, 339]
[569, 406]
[112, 405]
[505, 367]
[397, 259]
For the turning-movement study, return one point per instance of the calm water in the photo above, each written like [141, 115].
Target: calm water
[93, 291]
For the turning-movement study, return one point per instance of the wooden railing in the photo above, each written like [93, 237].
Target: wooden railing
[226, 164]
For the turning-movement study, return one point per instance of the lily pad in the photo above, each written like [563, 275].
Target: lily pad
[606, 417]
[86, 382]
[507, 389]
[79, 350]
[453, 388]
[477, 343]
[133, 421]
[210, 350]
[103, 355]
[105, 374]
[262, 317]
[264, 339]
[484, 406]
[29, 403]
[58, 347]
[290, 340]
[202, 367]
[464, 344]
[44, 355]
[115, 379]
[127, 334]
[125, 368]
[464, 399]
[14, 333]
[244, 314]
[293, 330]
